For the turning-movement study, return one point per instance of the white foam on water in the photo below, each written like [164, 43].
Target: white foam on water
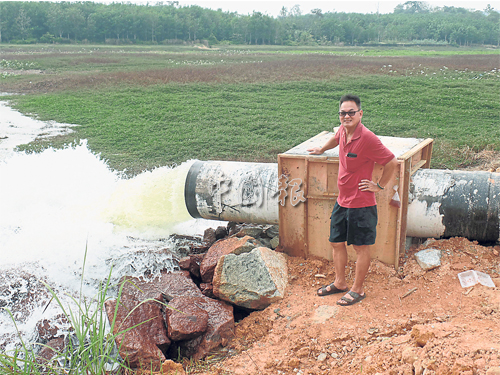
[17, 129]
[52, 201]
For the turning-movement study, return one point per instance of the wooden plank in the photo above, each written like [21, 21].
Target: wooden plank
[291, 225]
[404, 181]
[319, 211]
[399, 217]
[415, 149]
[417, 166]
[312, 158]
[323, 196]
[426, 154]
[305, 189]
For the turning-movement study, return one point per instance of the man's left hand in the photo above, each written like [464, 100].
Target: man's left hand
[368, 185]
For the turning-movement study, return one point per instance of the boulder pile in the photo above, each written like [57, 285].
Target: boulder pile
[191, 311]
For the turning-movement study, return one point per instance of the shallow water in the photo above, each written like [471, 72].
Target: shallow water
[59, 207]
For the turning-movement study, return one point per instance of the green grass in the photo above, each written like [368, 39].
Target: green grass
[143, 127]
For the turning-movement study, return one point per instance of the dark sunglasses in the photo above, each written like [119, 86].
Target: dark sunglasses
[350, 113]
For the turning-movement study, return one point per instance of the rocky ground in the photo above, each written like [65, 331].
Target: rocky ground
[412, 321]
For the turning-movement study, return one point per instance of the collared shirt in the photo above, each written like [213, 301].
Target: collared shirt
[356, 161]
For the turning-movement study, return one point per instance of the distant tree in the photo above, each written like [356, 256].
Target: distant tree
[23, 23]
[75, 22]
[56, 20]
[295, 11]
[256, 26]
[152, 20]
[412, 7]
[488, 9]
[283, 12]
[317, 12]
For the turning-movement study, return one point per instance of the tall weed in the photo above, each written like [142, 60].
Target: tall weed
[90, 344]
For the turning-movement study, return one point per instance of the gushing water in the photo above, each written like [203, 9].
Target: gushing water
[150, 203]
[59, 206]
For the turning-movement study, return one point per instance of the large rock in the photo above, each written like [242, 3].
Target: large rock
[209, 236]
[223, 247]
[144, 345]
[252, 280]
[220, 329]
[168, 285]
[192, 263]
[185, 319]
[429, 259]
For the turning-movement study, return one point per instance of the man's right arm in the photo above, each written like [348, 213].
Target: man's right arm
[331, 143]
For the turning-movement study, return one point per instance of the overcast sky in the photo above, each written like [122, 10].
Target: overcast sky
[273, 7]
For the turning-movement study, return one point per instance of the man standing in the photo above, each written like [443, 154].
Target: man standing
[354, 216]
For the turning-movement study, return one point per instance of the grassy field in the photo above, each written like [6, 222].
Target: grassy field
[142, 107]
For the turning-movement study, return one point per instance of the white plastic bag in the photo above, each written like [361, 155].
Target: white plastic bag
[395, 201]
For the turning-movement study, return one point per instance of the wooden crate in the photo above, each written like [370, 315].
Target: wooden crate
[308, 191]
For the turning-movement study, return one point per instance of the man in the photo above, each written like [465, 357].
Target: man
[354, 216]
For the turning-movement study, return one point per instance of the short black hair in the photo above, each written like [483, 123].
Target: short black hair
[351, 98]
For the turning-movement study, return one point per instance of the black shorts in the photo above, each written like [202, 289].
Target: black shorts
[357, 226]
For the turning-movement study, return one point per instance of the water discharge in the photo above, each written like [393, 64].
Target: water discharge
[151, 203]
[59, 206]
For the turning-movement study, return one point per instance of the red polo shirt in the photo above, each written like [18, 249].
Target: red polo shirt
[356, 161]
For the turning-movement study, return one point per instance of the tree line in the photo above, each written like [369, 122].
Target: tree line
[171, 23]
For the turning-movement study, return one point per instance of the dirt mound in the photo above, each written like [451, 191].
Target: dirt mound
[411, 321]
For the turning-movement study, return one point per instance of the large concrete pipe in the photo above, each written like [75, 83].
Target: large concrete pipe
[233, 191]
[441, 203]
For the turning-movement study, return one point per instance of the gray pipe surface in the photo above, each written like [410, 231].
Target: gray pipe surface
[444, 203]
[441, 204]
[233, 191]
